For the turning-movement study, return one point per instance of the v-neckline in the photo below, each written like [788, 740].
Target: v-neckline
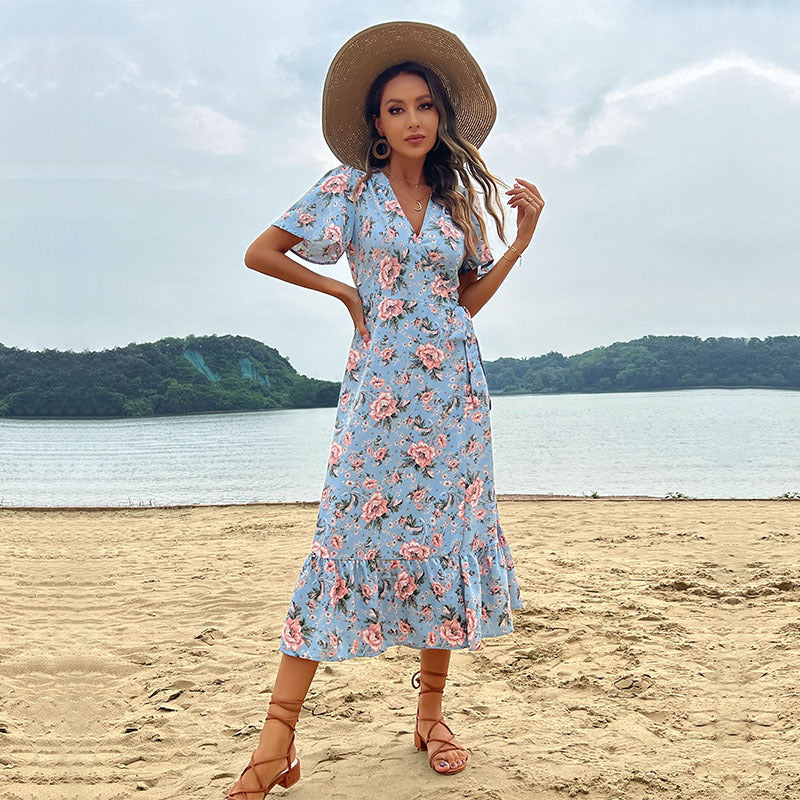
[402, 211]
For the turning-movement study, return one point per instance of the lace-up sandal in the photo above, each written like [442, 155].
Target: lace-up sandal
[447, 744]
[288, 777]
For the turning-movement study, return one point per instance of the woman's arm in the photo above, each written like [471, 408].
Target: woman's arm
[267, 254]
[474, 292]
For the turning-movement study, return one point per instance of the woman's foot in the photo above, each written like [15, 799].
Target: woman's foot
[276, 739]
[452, 755]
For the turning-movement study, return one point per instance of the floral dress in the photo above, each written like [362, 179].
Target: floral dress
[408, 547]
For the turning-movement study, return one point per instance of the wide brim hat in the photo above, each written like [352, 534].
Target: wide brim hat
[364, 56]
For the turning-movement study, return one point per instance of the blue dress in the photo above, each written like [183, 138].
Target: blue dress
[408, 547]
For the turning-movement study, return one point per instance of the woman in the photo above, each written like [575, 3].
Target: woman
[408, 548]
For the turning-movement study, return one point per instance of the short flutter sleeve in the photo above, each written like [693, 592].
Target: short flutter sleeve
[324, 216]
[484, 259]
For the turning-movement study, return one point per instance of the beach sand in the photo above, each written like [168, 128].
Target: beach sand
[656, 655]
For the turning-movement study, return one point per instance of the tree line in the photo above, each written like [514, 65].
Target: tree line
[236, 373]
[652, 363]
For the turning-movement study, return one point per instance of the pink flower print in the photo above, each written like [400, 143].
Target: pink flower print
[336, 541]
[453, 463]
[403, 378]
[330, 566]
[431, 639]
[338, 590]
[449, 230]
[370, 484]
[387, 353]
[452, 632]
[336, 184]
[474, 492]
[371, 555]
[368, 590]
[388, 270]
[414, 549]
[501, 539]
[418, 497]
[353, 357]
[372, 636]
[304, 218]
[336, 453]
[434, 256]
[430, 355]
[404, 627]
[380, 454]
[383, 406]
[388, 308]
[374, 508]
[441, 440]
[484, 252]
[390, 235]
[436, 539]
[472, 623]
[344, 400]
[377, 382]
[405, 585]
[438, 589]
[473, 446]
[477, 416]
[347, 438]
[393, 205]
[473, 402]
[356, 462]
[422, 453]
[425, 398]
[333, 232]
[440, 288]
[366, 227]
[292, 634]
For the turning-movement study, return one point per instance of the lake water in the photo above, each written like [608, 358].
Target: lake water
[709, 443]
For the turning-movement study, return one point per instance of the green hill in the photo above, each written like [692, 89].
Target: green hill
[170, 376]
[652, 363]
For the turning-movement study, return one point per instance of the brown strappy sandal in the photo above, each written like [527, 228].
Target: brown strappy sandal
[288, 777]
[422, 744]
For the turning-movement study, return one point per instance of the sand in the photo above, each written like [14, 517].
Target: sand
[656, 655]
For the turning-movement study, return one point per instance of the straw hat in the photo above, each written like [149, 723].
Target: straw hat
[363, 57]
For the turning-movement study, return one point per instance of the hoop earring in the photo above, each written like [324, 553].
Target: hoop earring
[381, 144]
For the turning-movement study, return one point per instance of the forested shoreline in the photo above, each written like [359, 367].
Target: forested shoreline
[204, 374]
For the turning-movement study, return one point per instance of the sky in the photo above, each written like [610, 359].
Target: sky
[145, 145]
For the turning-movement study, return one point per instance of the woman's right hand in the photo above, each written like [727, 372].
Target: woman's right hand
[352, 299]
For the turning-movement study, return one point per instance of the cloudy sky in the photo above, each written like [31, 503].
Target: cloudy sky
[146, 144]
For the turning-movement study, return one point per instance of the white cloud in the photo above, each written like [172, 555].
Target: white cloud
[563, 138]
[212, 132]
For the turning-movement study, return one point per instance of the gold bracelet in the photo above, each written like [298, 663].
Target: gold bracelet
[519, 255]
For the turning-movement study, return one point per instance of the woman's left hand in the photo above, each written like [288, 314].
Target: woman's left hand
[529, 204]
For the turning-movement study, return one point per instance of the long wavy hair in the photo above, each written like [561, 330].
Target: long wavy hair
[453, 158]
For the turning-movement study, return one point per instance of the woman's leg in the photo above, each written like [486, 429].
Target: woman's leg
[291, 686]
[430, 705]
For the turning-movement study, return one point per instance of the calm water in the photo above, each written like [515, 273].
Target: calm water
[703, 443]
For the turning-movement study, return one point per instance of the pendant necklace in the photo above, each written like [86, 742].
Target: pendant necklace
[418, 206]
